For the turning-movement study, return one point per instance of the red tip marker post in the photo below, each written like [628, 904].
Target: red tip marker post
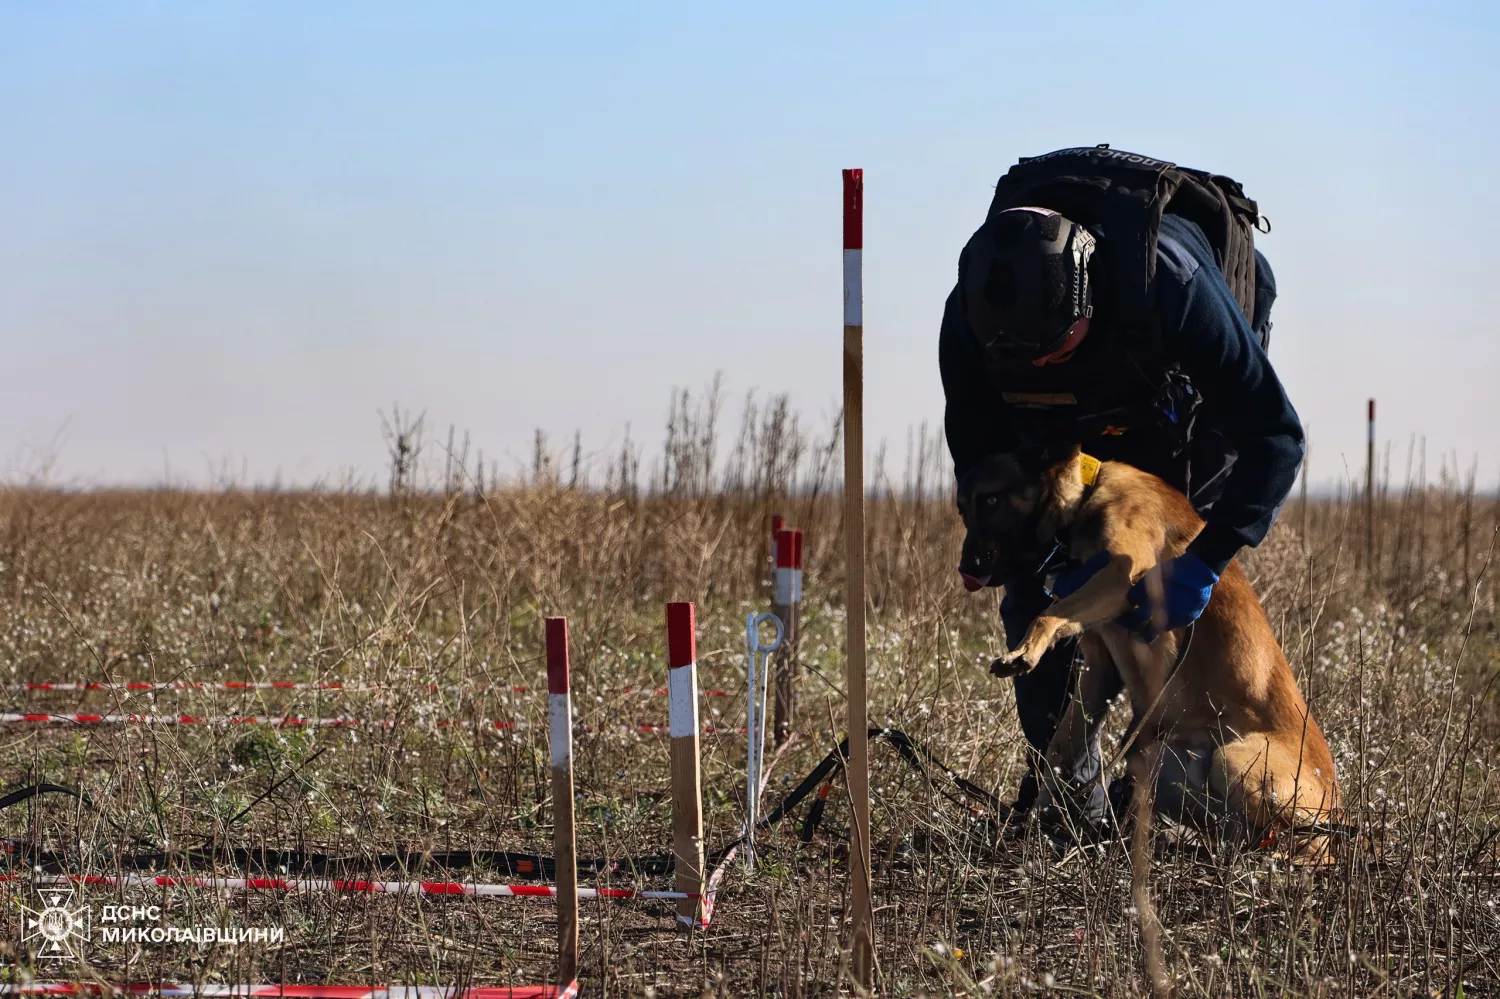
[788, 567]
[854, 585]
[778, 524]
[785, 604]
[565, 845]
[687, 783]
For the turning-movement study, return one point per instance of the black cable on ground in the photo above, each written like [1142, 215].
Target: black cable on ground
[908, 749]
[523, 865]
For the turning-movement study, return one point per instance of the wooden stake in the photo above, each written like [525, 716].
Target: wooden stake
[687, 782]
[1370, 494]
[1306, 469]
[564, 844]
[854, 587]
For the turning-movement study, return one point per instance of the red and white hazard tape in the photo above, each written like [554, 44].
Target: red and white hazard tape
[134, 685]
[83, 686]
[276, 721]
[570, 991]
[705, 730]
[356, 887]
[292, 721]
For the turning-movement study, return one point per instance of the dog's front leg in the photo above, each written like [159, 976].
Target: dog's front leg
[1103, 598]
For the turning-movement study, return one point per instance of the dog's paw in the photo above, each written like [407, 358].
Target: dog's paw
[1013, 663]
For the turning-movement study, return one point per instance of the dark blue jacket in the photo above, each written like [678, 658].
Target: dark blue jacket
[1203, 330]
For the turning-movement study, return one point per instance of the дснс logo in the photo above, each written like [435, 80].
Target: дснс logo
[56, 924]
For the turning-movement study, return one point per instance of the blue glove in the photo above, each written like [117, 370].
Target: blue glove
[1071, 580]
[1186, 585]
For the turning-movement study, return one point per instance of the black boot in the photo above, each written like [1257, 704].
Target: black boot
[1025, 795]
[1121, 794]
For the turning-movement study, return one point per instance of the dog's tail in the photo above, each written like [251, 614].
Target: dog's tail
[1140, 877]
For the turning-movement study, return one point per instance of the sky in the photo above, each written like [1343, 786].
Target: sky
[232, 234]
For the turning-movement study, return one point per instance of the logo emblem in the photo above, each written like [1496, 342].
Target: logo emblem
[56, 925]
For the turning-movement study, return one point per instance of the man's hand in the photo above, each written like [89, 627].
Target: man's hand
[1169, 596]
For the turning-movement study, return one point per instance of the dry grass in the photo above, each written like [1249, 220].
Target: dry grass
[449, 586]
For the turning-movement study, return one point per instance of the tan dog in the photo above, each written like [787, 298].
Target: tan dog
[1221, 723]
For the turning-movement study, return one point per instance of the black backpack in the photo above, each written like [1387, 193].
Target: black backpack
[1125, 195]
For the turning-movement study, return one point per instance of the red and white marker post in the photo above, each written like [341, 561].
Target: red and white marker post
[854, 586]
[786, 604]
[564, 842]
[687, 782]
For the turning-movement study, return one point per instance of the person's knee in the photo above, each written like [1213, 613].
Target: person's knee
[1181, 791]
[1099, 682]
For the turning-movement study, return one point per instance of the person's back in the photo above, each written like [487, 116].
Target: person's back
[1060, 333]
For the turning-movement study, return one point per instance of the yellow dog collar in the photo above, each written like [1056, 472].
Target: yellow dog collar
[1088, 467]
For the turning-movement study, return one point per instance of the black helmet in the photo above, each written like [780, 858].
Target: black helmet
[1024, 279]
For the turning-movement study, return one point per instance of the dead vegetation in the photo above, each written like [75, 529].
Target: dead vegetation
[448, 586]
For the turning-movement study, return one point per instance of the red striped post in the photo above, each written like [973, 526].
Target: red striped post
[778, 524]
[687, 782]
[786, 604]
[788, 566]
[565, 846]
[854, 586]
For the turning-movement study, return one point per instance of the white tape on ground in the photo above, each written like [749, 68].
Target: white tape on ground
[682, 700]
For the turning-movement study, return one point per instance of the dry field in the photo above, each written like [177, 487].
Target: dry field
[448, 585]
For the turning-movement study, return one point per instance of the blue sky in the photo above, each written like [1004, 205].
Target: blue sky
[231, 232]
